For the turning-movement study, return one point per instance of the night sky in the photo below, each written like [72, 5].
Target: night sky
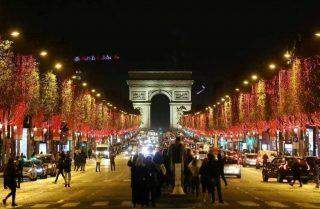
[222, 42]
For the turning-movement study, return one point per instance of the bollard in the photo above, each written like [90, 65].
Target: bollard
[177, 190]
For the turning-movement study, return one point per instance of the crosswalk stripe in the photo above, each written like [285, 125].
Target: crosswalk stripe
[106, 203]
[276, 204]
[307, 205]
[126, 203]
[221, 204]
[248, 203]
[40, 205]
[70, 204]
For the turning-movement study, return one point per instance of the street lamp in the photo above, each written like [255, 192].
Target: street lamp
[237, 89]
[245, 82]
[43, 53]
[98, 95]
[317, 34]
[254, 77]
[272, 66]
[15, 33]
[93, 90]
[84, 84]
[58, 66]
[222, 99]
[287, 55]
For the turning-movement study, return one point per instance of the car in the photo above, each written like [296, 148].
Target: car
[48, 163]
[249, 159]
[33, 169]
[261, 153]
[281, 168]
[232, 167]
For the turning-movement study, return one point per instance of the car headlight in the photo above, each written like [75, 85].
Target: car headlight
[39, 170]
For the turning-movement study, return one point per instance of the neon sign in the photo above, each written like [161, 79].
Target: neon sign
[94, 58]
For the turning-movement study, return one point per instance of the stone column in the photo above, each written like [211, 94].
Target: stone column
[144, 108]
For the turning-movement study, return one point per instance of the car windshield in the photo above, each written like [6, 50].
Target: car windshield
[101, 149]
[230, 160]
[251, 156]
[45, 159]
[27, 164]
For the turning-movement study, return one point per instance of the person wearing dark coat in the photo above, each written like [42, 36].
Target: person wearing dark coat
[67, 169]
[151, 182]
[221, 168]
[60, 168]
[296, 173]
[20, 169]
[187, 174]
[9, 181]
[214, 174]
[138, 181]
[204, 179]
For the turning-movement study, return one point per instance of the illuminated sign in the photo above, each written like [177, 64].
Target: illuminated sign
[94, 58]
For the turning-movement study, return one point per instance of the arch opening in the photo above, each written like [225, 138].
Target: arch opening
[160, 112]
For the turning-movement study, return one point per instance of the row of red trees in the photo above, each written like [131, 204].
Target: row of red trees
[290, 99]
[24, 91]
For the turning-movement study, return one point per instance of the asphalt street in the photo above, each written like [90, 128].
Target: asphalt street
[112, 190]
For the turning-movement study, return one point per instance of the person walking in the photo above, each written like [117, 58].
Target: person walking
[9, 181]
[60, 168]
[187, 174]
[204, 179]
[151, 182]
[98, 162]
[83, 160]
[296, 173]
[221, 168]
[112, 161]
[67, 169]
[194, 168]
[316, 172]
[134, 183]
[214, 177]
[20, 169]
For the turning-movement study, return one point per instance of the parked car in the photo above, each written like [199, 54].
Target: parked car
[250, 159]
[281, 168]
[33, 169]
[48, 163]
[261, 153]
[232, 167]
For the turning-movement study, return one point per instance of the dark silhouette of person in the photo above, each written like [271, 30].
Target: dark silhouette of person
[214, 174]
[296, 173]
[9, 181]
[221, 168]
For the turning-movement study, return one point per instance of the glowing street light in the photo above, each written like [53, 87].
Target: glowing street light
[237, 89]
[218, 103]
[214, 105]
[287, 55]
[227, 96]
[98, 95]
[84, 84]
[93, 90]
[15, 33]
[58, 66]
[254, 77]
[272, 66]
[43, 53]
[317, 34]
[245, 82]
[222, 99]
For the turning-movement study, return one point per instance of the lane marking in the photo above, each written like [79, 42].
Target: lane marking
[126, 204]
[70, 204]
[127, 180]
[306, 205]
[60, 201]
[248, 203]
[276, 204]
[221, 204]
[40, 205]
[107, 180]
[96, 204]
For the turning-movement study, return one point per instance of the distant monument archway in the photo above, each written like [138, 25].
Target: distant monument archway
[176, 85]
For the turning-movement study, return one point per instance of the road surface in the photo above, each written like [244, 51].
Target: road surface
[112, 190]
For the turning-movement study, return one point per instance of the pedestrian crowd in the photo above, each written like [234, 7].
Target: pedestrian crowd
[200, 178]
[80, 160]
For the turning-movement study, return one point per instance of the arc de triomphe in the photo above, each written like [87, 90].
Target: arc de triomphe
[176, 85]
